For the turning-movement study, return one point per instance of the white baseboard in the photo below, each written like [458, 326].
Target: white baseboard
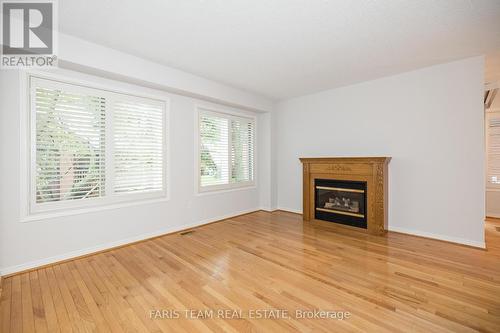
[78, 253]
[457, 240]
[292, 210]
[497, 216]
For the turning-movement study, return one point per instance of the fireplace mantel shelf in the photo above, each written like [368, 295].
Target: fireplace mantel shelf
[346, 159]
[371, 170]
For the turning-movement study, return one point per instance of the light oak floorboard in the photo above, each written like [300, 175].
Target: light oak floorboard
[397, 283]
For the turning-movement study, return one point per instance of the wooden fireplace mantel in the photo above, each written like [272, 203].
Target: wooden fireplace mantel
[372, 170]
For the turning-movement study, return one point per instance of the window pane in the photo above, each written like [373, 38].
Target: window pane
[69, 145]
[494, 149]
[214, 154]
[226, 150]
[241, 151]
[138, 147]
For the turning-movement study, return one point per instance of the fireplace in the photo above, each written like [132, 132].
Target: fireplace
[350, 191]
[341, 201]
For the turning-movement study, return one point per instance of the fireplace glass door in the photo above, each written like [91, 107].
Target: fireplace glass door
[341, 201]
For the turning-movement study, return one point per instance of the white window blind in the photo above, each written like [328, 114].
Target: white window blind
[70, 145]
[493, 149]
[226, 150]
[93, 146]
[138, 147]
[214, 135]
[242, 138]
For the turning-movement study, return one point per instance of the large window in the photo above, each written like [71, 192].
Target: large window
[92, 147]
[226, 150]
[493, 149]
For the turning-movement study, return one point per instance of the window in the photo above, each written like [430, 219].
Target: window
[493, 149]
[93, 147]
[226, 151]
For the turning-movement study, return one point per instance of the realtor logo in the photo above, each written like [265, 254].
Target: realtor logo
[28, 34]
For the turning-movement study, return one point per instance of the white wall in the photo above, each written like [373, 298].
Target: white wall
[29, 244]
[265, 159]
[430, 121]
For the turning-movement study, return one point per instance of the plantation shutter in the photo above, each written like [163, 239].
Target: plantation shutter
[242, 138]
[138, 134]
[93, 147]
[70, 144]
[226, 150]
[214, 147]
[493, 132]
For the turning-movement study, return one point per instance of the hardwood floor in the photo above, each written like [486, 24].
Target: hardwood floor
[265, 260]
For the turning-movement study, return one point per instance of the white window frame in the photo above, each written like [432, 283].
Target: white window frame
[30, 209]
[488, 114]
[200, 190]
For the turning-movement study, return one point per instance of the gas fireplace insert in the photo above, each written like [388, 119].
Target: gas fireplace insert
[341, 201]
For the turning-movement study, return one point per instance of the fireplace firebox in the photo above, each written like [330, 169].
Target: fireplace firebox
[341, 201]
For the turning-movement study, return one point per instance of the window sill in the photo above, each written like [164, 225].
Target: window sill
[225, 190]
[79, 211]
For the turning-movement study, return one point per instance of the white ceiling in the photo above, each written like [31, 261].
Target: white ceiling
[286, 48]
